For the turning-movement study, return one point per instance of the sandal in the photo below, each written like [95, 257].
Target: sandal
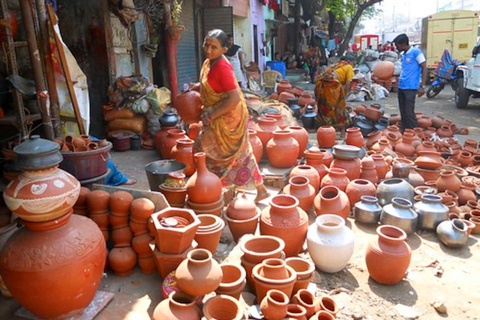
[129, 182]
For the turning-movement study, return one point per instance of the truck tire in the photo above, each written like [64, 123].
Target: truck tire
[461, 95]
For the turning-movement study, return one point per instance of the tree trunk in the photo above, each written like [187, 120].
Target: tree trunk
[331, 25]
[296, 29]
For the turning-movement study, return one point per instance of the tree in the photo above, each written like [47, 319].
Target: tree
[343, 12]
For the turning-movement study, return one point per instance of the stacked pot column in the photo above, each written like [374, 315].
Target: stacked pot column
[140, 211]
[97, 205]
[62, 245]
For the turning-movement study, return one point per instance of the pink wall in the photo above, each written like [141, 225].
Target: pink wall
[256, 14]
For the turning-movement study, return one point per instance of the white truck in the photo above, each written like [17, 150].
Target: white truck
[469, 81]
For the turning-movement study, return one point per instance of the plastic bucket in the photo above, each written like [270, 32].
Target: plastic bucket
[278, 66]
[157, 172]
[86, 164]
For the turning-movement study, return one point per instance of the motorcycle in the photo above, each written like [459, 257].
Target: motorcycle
[445, 73]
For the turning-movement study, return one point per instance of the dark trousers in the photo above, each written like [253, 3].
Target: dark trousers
[406, 104]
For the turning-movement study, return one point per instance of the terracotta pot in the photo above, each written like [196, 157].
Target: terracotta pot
[283, 85]
[384, 70]
[395, 118]
[331, 199]
[381, 145]
[373, 112]
[354, 137]
[82, 197]
[465, 158]
[274, 305]
[336, 177]
[424, 122]
[445, 131]
[141, 209]
[166, 263]
[258, 248]
[307, 300]
[300, 188]
[222, 307]
[373, 138]
[209, 232]
[358, 188]
[239, 228]
[326, 136]
[327, 157]
[448, 180]
[305, 99]
[175, 229]
[284, 219]
[381, 166]
[368, 170]
[428, 174]
[295, 311]
[301, 135]
[178, 306]
[282, 149]
[42, 195]
[264, 281]
[183, 153]
[314, 158]
[256, 144]
[100, 219]
[438, 121]
[189, 106]
[322, 315]
[194, 129]
[406, 147]
[329, 305]
[158, 138]
[388, 252]
[119, 202]
[426, 146]
[278, 117]
[466, 193]
[305, 272]
[309, 172]
[175, 197]
[122, 236]
[170, 140]
[393, 130]
[141, 244]
[284, 96]
[28, 265]
[266, 127]
[330, 243]
[203, 186]
[233, 280]
[199, 274]
[353, 167]
[241, 208]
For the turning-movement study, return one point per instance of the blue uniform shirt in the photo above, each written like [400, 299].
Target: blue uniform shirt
[411, 70]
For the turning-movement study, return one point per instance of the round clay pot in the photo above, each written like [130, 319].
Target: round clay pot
[194, 129]
[256, 144]
[284, 219]
[282, 149]
[381, 166]
[278, 118]
[301, 135]
[241, 208]
[238, 228]
[170, 140]
[384, 70]
[331, 199]
[438, 121]
[327, 157]
[358, 188]
[183, 153]
[178, 306]
[203, 186]
[309, 172]
[373, 112]
[314, 158]
[174, 196]
[373, 138]
[329, 305]
[300, 188]
[448, 180]
[266, 127]
[282, 277]
[353, 167]
[295, 311]
[141, 209]
[322, 315]
[30, 263]
[336, 177]
[222, 307]
[82, 197]
[274, 305]
[199, 274]
[283, 86]
[388, 256]
[307, 300]
[406, 147]
[233, 280]
[120, 202]
[326, 136]
[189, 106]
[209, 232]
[259, 248]
[354, 137]
[158, 138]
[368, 170]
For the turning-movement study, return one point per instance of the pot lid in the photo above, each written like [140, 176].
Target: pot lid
[37, 153]
[241, 206]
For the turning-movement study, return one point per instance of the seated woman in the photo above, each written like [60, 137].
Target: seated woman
[224, 135]
[331, 89]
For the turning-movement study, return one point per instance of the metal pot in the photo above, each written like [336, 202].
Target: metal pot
[367, 210]
[399, 213]
[431, 211]
[37, 154]
[294, 106]
[395, 187]
[168, 119]
[453, 233]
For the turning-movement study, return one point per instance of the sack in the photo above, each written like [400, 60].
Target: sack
[137, 124]
[123, 113]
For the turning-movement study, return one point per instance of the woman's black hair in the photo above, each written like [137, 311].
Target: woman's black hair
[348, 57]
[220, 35]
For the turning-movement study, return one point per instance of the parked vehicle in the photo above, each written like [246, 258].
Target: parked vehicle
[469, 79]
[445, 73]
[455, 30]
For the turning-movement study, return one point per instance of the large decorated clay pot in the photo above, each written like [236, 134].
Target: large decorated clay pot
[178, 306]
[42, 192]
[199, 274]
[189, 106]
[330, 243]
[283, 218]
[203, 186]
[183, 153]
[331, 199]
[282, 149]
[388, 256]
[68, 251]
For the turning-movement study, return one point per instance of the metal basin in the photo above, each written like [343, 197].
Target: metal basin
[157, 172]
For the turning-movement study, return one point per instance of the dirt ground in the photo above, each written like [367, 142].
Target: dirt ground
[437, 275]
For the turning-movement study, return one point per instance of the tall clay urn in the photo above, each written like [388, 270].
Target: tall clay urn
[388, 256]
[203, 186]
[54, 265]
[284, 218]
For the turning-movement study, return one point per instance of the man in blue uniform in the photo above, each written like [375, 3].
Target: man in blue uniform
[409, 85]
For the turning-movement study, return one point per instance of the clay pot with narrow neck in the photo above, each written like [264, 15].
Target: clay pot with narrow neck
[256, 144]
[388, 256]
[336, 177]
[326, 136]
[300, 188]
[278, 117]
[354, 137]
[448, 181]
[183, 153]
[406, 147]
[331, 199]
[158, 138]
[194, 129]
[314, 158]
[353, 167]
[283, 218]
[301, 135]
[266, 127]
[368, 170]
[282, 149]
[274, 305]
[445, 131]
[203, 186]
[170, 141]
[381, 166]
[381, 145]
[283, 86]
[273, 274]
[393, 130]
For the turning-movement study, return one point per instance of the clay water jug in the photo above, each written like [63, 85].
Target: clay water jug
[283, 218]
[301, 135]
[388, 256]
[170, 141]
[266, 127]
[183, 153]
[326, 136]
[336, 177]
[203, 186]
[256, 144]
[448, 181]
[332, 200]
[406, 147]
[354, 137]
[300, 188]
[158, 138]
[282, 149]
[189, 106]
[309, 172]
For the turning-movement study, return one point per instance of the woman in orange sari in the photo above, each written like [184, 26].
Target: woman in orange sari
[331, 89]
[224, 135]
